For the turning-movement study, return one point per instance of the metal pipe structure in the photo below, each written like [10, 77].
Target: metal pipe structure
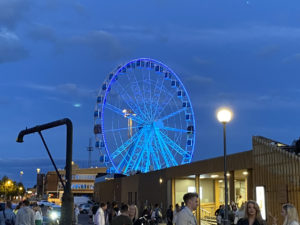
[225, 177]
[67, 198]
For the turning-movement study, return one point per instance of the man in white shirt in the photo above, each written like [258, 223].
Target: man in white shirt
[100, 215]
[186, 216]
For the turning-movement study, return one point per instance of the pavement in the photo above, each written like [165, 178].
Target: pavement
[83, 219]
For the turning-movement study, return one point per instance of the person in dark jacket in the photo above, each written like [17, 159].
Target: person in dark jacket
[252, 215]
[169, 215]
[124, 218]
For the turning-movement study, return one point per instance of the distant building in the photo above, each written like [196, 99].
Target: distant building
[82, 182]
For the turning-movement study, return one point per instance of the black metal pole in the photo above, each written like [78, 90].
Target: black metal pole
[67, 214]
[225, 177]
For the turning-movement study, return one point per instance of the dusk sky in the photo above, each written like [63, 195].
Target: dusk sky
[55, 54]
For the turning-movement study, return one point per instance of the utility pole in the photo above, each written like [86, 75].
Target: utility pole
[90, 149]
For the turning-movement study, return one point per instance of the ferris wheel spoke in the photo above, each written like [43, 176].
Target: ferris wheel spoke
[150, 95]
[162, 151]
[124, 146]
[172, 114]
[117, 110]
[145, 149]
[119, 129]
[158, 97]
[164, 106]
[133, 156]
[139, 94]
[155, 155]
[130, 102]
[174, 129]
[173, 145]
[124, 159]
[166, 150]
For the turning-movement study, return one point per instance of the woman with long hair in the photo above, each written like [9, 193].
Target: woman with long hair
[290, 214]
[252, 215]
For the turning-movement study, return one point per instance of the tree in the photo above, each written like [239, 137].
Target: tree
[10, 188]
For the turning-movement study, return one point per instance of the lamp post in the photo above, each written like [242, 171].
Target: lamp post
[38, 170]
[224, 116]
[21, 174]
[160, 184]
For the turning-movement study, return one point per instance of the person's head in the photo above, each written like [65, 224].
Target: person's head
[191, 200]
[124, 209]
[290, 213]
[103, 205]
[252, 210]
[8, 205]
[170, 207]
[234, 208]
[156, 206]
[26, 202]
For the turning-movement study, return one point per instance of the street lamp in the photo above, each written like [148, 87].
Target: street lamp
[21, 174]
[224, 116]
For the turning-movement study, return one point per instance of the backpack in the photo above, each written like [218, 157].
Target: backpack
[7, 220]
[158, 216]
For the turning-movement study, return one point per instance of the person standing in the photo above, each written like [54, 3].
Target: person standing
[76, 213]
[290, 214]
[169, 215]
[156, 215]
[175, 213]
[25, 215]
[7, 215]
[38, 218]
[123, 218]
[252, 215]
[133, 212]
[100, 215]
[186, 216]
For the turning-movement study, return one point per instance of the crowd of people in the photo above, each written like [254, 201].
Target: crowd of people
[112, 214]
[248, 213]
[240, 213]
[23, 214]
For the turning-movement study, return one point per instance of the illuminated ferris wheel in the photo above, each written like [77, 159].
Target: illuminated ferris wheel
[144, 118]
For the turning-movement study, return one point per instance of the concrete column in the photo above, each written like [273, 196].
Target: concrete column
[232, 187]
[198, 211]
[173, 192]
[250, 186]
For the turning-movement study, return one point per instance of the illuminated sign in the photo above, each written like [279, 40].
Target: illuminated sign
[261, 200]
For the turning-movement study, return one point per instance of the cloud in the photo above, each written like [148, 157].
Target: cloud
[40, 32]
[11, 48]
[68, 89]
[236, 34]
[293, 58]
[102, 43]
[197, 79]
[201, 61]
[246, 101]
[12, 12]
[268, 50]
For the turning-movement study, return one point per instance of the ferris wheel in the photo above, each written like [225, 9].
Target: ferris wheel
[143, 118]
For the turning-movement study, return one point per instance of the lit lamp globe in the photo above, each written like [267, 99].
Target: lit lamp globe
[224, 115]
